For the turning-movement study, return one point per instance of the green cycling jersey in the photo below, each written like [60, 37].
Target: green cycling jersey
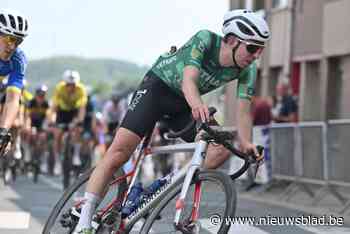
[202, 51]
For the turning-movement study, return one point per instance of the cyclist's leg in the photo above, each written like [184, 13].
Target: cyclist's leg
[216, 156]
[57, 133]
[139, 120]
[118, 153]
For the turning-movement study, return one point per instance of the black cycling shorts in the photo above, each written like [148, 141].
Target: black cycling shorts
[66, 117]
[154, 101]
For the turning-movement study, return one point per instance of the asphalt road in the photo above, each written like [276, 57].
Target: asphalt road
[25, 206]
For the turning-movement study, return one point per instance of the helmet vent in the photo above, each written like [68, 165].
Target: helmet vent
[12, 21]
[20, 23]
[244, 29]
[25, 25]
[3, 20]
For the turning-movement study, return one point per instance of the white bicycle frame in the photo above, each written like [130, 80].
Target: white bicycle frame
[199, 148]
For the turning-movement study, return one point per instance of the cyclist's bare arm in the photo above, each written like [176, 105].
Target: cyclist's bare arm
[244, 125]
[10, 109]
[52, 113]
[193, 98]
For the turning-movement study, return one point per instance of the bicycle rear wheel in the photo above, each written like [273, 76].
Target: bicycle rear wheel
[60, 221]
[218, 198]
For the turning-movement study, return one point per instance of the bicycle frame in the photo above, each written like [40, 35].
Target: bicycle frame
[188, 171]
[186, 175]
[199, 148]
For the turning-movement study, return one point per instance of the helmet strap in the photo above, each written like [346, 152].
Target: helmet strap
[234, 53]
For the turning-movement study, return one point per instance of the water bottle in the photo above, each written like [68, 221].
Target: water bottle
[133, 200]
[152, 188]
[156, 185]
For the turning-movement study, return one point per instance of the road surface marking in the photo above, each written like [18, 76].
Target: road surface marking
[14, 220]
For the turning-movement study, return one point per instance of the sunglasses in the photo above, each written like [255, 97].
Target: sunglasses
[251, 48]
[40, 94]
[9, 39]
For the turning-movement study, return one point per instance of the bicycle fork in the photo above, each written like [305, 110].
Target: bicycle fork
[196, 162]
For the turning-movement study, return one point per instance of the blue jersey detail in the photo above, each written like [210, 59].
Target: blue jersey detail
[14, 69]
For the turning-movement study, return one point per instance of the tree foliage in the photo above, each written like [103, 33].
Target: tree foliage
[101, 74]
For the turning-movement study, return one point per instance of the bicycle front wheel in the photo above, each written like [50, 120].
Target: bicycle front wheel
[60, 222]
[218, 199]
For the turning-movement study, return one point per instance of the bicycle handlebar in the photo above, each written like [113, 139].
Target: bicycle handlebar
[249, 158]
[188, 127]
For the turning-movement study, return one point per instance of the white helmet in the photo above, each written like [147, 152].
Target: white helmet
[13, 23]
[71, 76]
[247, 26]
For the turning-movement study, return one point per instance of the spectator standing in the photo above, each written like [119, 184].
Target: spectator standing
[285, 108]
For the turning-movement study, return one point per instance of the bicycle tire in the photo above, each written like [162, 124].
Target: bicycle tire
[205, 175]
[70, 191]
[67, 163]
[35, 162]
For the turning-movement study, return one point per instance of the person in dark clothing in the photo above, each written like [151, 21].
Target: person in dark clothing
[286, 108]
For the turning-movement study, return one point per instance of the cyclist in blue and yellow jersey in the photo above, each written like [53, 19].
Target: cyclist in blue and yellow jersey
[172, 88]
[13, 63]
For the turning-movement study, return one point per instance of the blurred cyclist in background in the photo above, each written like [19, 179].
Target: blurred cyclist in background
[113, 112]
[38, 108]
[68, 105]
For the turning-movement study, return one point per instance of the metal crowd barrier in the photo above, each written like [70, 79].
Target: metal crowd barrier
[308, 153]
[338, 151]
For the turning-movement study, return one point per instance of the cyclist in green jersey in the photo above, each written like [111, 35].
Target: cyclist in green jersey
[172, 90]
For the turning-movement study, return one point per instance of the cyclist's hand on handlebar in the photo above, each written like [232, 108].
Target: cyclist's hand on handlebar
[201, 112]
[249, 148]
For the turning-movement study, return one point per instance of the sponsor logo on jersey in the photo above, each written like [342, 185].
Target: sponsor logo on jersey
[209, 81]
[195, 53]
[166, 62]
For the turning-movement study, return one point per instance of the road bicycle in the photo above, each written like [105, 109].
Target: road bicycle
[72, 161]
[8, 169]
[193, 193]
[37, 147]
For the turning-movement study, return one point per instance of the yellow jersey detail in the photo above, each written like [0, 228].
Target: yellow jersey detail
[67, 101]
[13, 89]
